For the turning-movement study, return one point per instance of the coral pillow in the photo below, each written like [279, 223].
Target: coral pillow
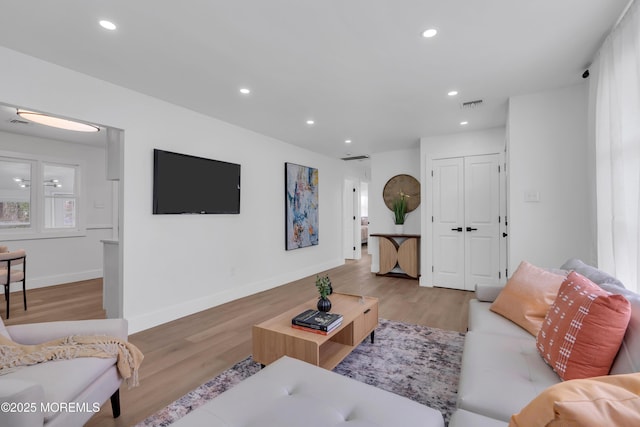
[527, 296]
[612, 400]
[583, 330]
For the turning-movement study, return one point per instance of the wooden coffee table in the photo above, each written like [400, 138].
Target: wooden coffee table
[275, 337]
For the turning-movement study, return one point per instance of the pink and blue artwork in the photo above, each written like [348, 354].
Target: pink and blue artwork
[301, 206]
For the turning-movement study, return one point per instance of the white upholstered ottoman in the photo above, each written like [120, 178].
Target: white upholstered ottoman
[291, 393]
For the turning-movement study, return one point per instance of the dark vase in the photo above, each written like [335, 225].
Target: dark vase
[324, 304]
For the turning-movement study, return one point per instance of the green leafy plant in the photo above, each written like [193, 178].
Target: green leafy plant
[400, 208]
[323, 284]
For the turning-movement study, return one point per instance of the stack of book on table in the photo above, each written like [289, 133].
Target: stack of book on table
[317, 321]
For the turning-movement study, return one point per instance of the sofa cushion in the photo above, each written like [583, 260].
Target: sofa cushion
[527, 296]
[592, 273]
[501, 374]
[482, 319]
[583, 330]
[63, 380]
[628, 358]
[611, 400]
[487, 293]
[29, 395]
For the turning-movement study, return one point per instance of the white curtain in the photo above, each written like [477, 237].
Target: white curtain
[617, 134]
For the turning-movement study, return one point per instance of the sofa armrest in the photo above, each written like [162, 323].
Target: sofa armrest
[36, 333]
[21, 400]
[488, 293]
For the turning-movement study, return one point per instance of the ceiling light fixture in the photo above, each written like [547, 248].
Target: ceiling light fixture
[430, 33]
[245, 91]
[464, 123]
[107, 25]
[453, 93]
[347, 141]
[57, 122]
[310, 122]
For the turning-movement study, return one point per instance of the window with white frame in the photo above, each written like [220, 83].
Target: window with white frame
[58, 184]
[38, 197]
[15, 193]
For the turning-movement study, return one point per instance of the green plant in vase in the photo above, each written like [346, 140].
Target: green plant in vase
[323, 284]
[400, 211]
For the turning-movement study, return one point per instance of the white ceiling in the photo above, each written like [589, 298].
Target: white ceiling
[359, 68]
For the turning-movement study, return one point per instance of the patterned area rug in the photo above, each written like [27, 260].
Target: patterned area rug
[418, 362]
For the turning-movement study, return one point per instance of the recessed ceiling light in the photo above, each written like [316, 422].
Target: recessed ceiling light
[245, 91]
[347, 141]
[310, 122]
[464, 123]
[453, 93]
[57, 122]
[430, 33]
[107, 25]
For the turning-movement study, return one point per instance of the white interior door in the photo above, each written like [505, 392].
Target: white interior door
[448, 223]
[482, 213]
[466, 225]
[351, 220]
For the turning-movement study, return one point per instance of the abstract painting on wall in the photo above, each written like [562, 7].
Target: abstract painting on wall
[301, 206]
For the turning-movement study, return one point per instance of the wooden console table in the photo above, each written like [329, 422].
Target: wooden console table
[399, 252]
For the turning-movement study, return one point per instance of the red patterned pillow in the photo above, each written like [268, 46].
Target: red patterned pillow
[583, 329]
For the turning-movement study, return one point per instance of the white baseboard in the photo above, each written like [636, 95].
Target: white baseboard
[166, 314]
[44, 281]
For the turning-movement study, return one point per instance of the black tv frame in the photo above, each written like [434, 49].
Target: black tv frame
[159, 175]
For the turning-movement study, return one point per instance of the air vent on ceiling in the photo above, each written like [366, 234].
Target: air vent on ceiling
[18, 122]
[356, 157]
[471, 104]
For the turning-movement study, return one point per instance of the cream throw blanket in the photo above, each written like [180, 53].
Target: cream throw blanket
[128, 356]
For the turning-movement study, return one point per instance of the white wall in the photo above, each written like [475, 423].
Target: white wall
[488, 141]
[548, 154]
[177, 265]
[358, 170]
[53, 261]
[383, 167]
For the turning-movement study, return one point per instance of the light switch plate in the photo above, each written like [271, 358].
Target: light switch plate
[531, 196]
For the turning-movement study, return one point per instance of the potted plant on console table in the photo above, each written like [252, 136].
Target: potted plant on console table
[400, 212]
[323, 284]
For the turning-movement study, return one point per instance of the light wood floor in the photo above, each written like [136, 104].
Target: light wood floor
[181, 355]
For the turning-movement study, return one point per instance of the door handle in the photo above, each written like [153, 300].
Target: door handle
[459, 229]
[471, 229]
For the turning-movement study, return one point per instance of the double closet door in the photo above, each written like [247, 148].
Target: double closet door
[466, 221]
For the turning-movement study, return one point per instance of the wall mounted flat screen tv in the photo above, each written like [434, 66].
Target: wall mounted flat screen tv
[184, 184]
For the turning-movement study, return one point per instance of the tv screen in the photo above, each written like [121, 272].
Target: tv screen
[184, 184]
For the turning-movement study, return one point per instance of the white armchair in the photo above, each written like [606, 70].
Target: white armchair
[62, 392]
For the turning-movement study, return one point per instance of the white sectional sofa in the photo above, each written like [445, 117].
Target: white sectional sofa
[501, 368]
